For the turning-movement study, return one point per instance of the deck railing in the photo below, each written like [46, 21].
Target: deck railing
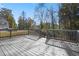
[37, 32]
[59, 34]
[66, 35]
[12, 32]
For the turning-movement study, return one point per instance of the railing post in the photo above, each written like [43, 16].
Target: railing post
[0, 33]
[10, 30]
[47, 37]
[28, 31]
[77, 35]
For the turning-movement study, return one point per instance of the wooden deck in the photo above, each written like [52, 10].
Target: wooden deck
[23, 46]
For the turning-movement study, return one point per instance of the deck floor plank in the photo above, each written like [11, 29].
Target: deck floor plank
[1, 52]
[23, 46]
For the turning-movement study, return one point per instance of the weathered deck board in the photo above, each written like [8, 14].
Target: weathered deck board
[22, 46]
[1, 52]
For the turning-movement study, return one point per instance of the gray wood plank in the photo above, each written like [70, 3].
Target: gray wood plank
[1, 52]
[21, 46]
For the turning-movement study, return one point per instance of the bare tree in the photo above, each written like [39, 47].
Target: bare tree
[40, 13]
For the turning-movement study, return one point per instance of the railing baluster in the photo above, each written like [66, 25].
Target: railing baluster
[67, 35]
